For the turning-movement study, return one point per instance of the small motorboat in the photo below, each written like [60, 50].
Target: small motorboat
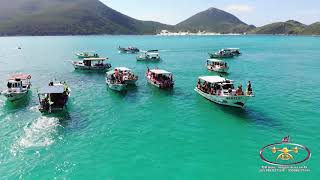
[223, 53]
[160, 78]
[217, 65]
[151, 55]
[128, 50]
[92, 64]
[115, 81]
[234, 51]
[87, 55]
[221, 91]
[127, 75]
[18, 87]
[53, 97]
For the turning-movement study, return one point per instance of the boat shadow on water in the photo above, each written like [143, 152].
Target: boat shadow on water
[249, 115]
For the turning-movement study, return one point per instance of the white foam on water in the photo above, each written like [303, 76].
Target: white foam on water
[40, 133]
[34, 108]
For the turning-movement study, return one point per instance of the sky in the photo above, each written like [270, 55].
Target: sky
[258, 12]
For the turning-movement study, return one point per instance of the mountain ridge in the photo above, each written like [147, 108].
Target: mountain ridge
[214, 20]
[86, 17]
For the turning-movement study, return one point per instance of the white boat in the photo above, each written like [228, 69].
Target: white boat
[234, 51]
[115, 81]
[87, 55]
[160, 78]
[151, 55]
[92, 64]
[223, 53]
[53, 97]
[18, 87]
[127, 74]
[128, 50]
[217, 65]
[221, 91]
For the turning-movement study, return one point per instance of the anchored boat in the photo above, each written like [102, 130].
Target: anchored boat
[91, 64]
[160, 78]
[127, 75]
[223, 53]
[53, 97]
[221, 91]
[151, 55]
[217, 65]
[18, 87]
[234, 51]
[115, 81]
[128, 50]
[87, 55]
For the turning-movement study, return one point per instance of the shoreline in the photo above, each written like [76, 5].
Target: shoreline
[158, 35]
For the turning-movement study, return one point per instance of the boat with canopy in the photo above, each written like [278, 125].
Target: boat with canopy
[128, 50]
[217, 65]
[87, 55]
[160, 78]
[151, 55]
[223, 53]
[53, 97]
[92, 64]
[221, 91]
[18, 86]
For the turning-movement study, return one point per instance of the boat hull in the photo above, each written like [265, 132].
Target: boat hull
[233, 101]
[131, 82]
[125, 51]
[15, 96]
[116, 87]
[158, 85]
[220, 56]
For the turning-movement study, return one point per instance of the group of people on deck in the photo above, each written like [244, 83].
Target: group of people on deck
[215, 89]
[163, 80]
[119, 77]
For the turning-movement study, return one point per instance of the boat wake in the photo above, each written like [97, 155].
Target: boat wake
[34, 108]
[41, 133]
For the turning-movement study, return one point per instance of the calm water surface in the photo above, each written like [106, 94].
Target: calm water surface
[148, 133]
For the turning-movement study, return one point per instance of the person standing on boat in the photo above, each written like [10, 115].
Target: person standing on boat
[249, 88]
[239, 91]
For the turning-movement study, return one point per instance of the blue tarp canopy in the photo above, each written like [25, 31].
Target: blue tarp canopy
[52, 89]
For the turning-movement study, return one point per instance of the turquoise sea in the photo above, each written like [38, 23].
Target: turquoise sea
[149, 133]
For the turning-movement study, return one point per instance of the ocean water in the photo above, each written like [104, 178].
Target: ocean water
[149, 133]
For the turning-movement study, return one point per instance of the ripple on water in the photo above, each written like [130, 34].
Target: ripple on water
[40, 133]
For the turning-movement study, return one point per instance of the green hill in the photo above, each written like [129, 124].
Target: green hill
[68, 17]
[214, 20]
[313, 29]
[81, 17]
[288, 27]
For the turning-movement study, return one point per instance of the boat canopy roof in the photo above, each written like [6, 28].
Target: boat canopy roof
[95, 59]
[122, 69]
[215, 60]
[56, 89]
[160, 71]
[213, 79]
[20, 76]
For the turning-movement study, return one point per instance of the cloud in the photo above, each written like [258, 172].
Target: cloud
[240, 8]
